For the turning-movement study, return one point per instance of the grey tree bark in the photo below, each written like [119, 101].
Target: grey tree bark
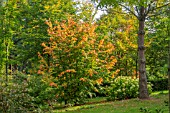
[143, 90]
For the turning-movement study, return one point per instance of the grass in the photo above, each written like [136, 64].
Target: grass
[157, 101]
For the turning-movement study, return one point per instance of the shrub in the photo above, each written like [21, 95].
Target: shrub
[14, 97]
[125, 88]
[26, 93]
[43, 94]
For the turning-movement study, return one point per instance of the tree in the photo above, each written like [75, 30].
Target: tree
[141, 9]
[169, 72]
[168, 32]
[7, 28]
[78, 59]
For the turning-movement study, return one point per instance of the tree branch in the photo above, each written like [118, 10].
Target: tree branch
[117, 12]
[129, 10]
[137, 10]
[148, 10]
[161, 6]
[95, 12]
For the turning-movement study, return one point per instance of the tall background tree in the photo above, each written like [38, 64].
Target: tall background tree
[141, 9]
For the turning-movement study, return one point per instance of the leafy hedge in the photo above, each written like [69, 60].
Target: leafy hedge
[125, 88]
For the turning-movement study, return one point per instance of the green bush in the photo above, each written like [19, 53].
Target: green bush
[26, 93]
[42, 92]
[125, 88]
[14, 97]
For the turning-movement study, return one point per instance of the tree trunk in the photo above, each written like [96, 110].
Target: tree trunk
[143, 90]
[136, 65]
[6, 65]
[169, 67]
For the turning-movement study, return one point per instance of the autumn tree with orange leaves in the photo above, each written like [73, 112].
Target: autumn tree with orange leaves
[75, 59]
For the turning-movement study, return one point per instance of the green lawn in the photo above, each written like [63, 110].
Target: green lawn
[157, 101]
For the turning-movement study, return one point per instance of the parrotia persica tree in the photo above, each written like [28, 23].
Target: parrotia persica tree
[78, 59]
[141, 9]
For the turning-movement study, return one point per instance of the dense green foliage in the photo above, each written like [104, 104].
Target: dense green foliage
[157, 52]
[23, 28]
[26, 93]
[15, 97]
